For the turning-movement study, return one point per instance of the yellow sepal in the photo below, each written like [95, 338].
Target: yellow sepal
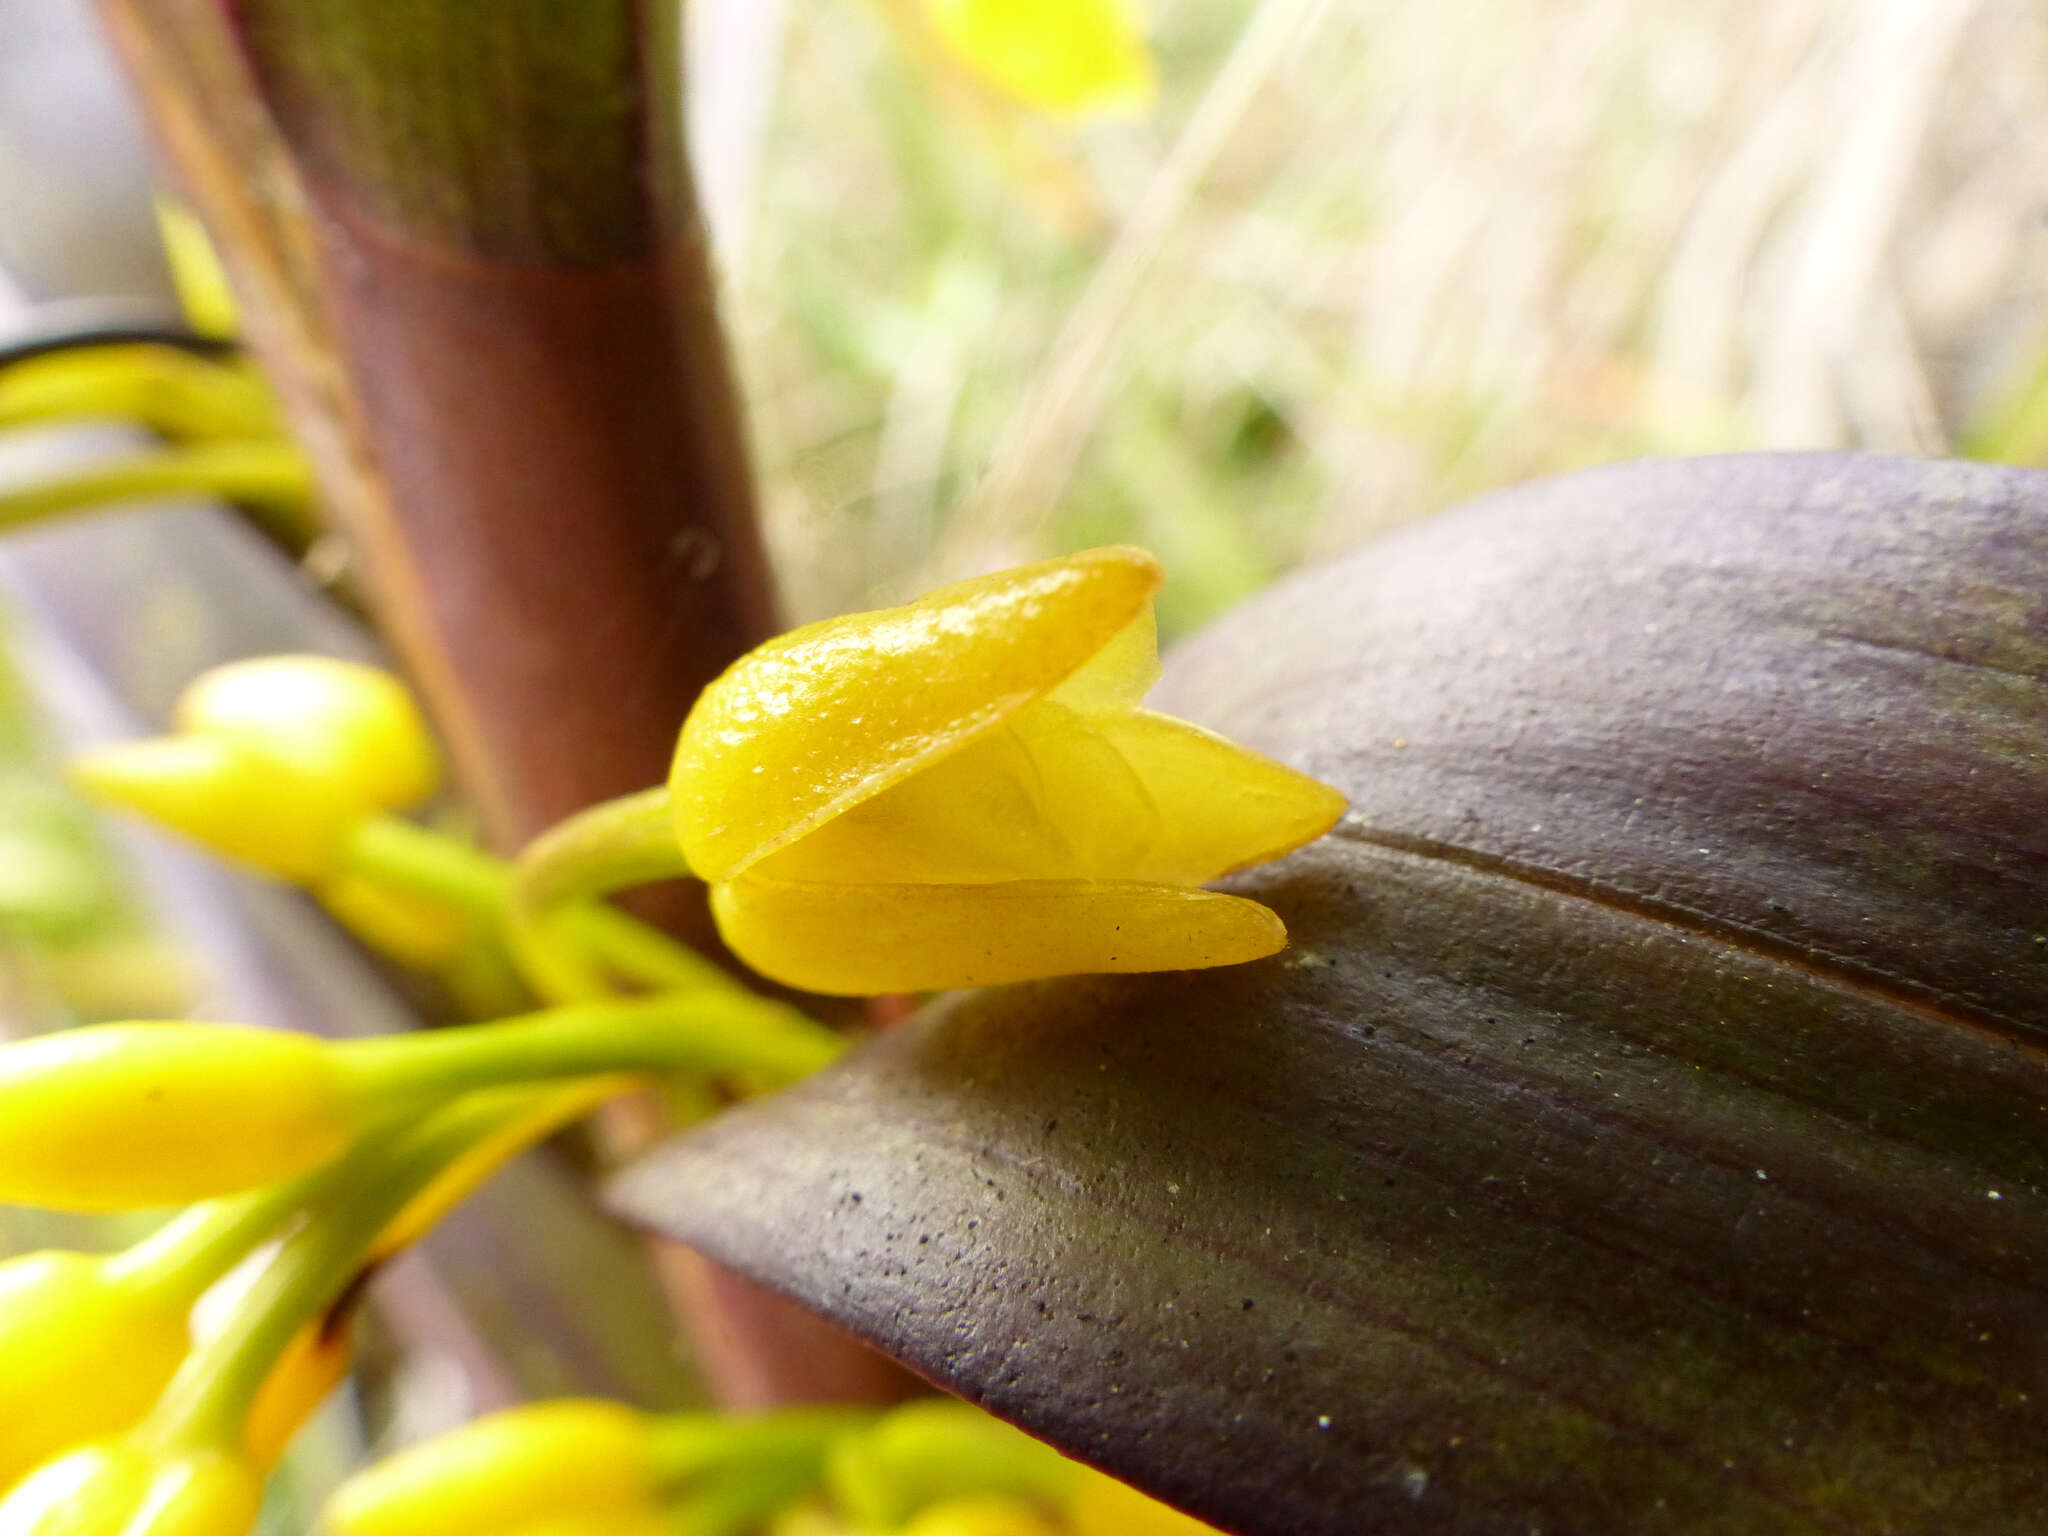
[572, 1459]
[1053, 794]
[859, 941]
[116, 1116]
[83, 1355]
[806, 727]
[1060, 56]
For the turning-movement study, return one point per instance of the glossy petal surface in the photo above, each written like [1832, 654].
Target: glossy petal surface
[1054, 794]
[859, 940]
[808, 726]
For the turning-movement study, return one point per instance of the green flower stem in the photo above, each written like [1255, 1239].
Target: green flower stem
[628, 841]
[711, 1033]
[266, 473]
[209, 1398]
[186, 1255]
[396, 852]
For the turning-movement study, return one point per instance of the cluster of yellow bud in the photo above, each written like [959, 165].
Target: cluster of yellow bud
[935, 1467]
[275, 764]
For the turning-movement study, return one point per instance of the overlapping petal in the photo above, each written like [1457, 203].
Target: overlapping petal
[808, 726]
[859, 940]
[965, 791]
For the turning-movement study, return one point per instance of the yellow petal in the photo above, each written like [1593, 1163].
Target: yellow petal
[82, 1355]
[1054, 794]
[859, 940]
[1220, 806]
[227, 800]
[574, 1458]
[115, 1116]
[809, 725]
[1058, 55]
[351, 725]
[1118, 675]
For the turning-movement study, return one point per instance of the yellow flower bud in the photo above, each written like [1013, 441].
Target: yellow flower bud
[229, 801]
[275, 761]
[342, 722]
[84, 1351]
[981, 1516]
[125, 1115]
[964, 790]
[569, 1460]
[120, 1488]
[1063, 56]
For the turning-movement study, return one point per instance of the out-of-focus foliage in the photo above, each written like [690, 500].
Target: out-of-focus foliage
[1367, 259]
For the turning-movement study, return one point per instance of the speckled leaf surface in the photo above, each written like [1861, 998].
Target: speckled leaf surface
[1647, 1131]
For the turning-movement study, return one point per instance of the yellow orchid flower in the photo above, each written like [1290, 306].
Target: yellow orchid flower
[125, 1488]
[965, 790]
[274, 761]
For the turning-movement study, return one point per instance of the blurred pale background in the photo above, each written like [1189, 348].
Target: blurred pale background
[1365, 258]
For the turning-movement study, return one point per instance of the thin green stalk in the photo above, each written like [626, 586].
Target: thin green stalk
[721, 1033]
[391, 850]
[618, 843]
[267, 473]
[209, 1398]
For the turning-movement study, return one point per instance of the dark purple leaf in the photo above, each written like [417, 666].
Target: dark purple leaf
[1648, 1129]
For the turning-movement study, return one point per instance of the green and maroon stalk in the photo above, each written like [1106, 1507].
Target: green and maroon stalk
[469, 255]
